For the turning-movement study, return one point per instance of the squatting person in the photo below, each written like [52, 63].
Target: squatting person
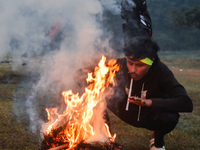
[156, 97]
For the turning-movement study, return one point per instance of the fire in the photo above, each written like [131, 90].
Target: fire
[82, 119]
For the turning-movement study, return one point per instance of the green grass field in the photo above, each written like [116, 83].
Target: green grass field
[186, 136]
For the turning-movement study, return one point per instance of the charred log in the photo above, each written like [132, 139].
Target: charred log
[99, 146]
[92, 146]
[52, 142]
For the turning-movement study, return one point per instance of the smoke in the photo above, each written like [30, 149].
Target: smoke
[56, 40]
[114, 6]
[25, 25]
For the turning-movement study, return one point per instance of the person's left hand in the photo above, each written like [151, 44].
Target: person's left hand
[140, 102]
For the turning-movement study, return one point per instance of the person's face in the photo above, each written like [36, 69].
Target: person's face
[137, 69]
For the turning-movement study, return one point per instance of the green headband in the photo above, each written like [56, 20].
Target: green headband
[146, 60]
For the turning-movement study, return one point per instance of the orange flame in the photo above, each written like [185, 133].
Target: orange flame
[83, 115]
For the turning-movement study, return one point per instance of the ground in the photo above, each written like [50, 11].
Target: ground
[186, 136]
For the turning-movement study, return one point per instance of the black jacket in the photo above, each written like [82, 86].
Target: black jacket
[166, 93]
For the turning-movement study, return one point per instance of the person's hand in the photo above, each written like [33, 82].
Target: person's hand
[140, 102]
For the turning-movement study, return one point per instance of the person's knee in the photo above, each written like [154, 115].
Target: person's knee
[169, 120]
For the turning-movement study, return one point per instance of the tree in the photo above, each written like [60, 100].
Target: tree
[186, 17]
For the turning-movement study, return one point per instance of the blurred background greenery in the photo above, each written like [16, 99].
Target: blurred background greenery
[175, 23]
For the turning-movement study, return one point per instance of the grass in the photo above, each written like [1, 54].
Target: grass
[13, 135]
[186, 136]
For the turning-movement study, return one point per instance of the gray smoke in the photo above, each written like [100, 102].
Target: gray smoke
[25, 26]
[114, 6]
[54, 39]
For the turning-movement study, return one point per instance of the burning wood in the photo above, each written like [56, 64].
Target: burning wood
[93, 146]
[50, 142]
[82, 122]
[86, 146]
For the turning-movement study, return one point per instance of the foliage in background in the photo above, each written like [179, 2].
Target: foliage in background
[187, 17]
[168, 35]
[165, 31]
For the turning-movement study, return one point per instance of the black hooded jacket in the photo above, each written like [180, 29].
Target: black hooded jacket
[166, 93]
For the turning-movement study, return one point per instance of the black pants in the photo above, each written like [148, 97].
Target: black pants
[161, 124]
